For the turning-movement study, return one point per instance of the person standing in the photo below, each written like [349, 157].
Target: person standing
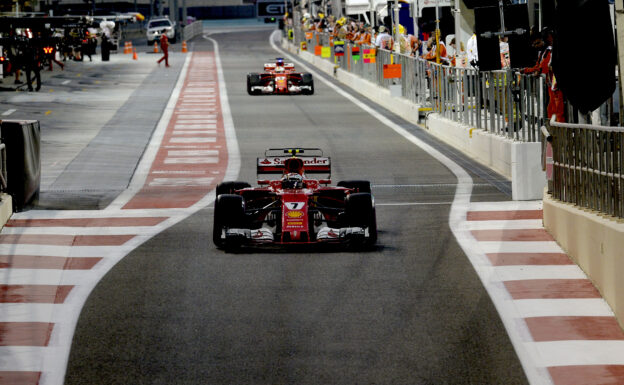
[164, 46]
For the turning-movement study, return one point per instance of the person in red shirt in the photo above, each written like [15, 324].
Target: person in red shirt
[164, 46]
[556, 104]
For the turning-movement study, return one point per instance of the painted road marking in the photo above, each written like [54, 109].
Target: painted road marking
[192, 160]
[66, 82]
[180, 182]
[192, 140]
[193, 152]
[9, 112]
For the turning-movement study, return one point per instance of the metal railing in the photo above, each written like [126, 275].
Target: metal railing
[504, 103]
[192, 30]
[588, 166]
[3, 167]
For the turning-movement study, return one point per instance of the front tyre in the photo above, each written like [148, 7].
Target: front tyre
[360, 212]
[229, 213]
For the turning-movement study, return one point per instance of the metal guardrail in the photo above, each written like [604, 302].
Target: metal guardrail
[588, 166]
[192, 30]
[3, 167]
[504, 103]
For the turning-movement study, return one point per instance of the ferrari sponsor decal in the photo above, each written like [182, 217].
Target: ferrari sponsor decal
[295, 223]
[294, 214]
[279, 161]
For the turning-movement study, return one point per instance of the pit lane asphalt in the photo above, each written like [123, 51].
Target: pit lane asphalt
[178, 311]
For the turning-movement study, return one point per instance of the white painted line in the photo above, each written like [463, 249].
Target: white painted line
[193, 152]
[192, 140]
[66, 82]
[22, 358]
[9, 112]
[523, 272]
[195, 126]
[192, 160]
[194, 132]
[195, 116]
[415, 204]
[178, 182]
[206, 120]
[32, 312]
[46, 277]
[566, 353]
[597, 307]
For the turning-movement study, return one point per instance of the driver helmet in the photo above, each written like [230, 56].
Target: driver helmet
[292, 180]
[279, 62]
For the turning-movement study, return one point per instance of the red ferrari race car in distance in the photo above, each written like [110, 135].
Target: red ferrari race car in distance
[294, 209]
[280, 78]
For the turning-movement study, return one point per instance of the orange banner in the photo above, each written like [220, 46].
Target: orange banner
[309, 35]
[318, 50]
[391, 71]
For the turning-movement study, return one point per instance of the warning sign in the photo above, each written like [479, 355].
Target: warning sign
[326, 52]
[304, 46]
[339, 48]
[391, 71]
[370, 55]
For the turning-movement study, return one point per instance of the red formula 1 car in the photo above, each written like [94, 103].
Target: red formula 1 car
[280, 78]
[294, 209]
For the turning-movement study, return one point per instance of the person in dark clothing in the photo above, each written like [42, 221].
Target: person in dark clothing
[32, 63]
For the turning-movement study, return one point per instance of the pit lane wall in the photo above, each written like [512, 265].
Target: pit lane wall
[595, 242]
[518, 161]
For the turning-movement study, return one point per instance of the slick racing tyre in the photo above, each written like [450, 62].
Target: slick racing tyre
[253, 80]
[362, 186]
[360, 212]
[307, 81]
[229, 213]
[230, 187]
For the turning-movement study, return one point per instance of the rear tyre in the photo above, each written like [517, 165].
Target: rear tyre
[231, 187]
[362, 186]
[360, 212]
[229, 213]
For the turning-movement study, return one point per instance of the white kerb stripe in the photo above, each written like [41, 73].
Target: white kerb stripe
[192, 140]
[177, 182]
[192, 160]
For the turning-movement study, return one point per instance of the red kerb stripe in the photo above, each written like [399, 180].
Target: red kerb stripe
[65, 240]
[25, 333]
[34, 293]
[86, 222]
[551, 288]
[509, 259]
[45, 262]
[512, 235]
[574, 328]
[20, 378]
[587, 374]
[503, 215]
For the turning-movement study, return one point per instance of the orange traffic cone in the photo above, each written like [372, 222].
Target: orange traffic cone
[155, 47]
[134, 54]
[130, 48]
[127, 48]
[184, 47]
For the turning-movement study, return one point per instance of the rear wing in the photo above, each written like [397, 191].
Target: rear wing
[313, 160]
